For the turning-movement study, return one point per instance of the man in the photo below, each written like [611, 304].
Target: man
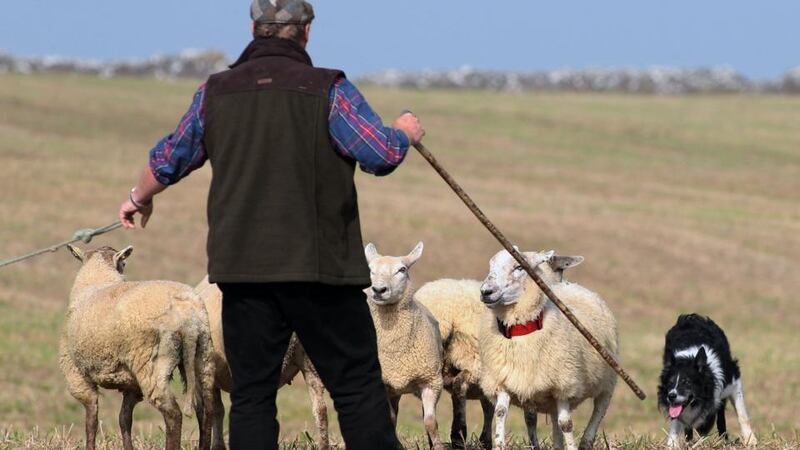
[284, 242]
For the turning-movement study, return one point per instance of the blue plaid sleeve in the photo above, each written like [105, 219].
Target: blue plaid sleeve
[358, 132]
[182, 152]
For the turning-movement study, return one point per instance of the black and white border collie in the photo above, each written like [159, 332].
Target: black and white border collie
[698, 378]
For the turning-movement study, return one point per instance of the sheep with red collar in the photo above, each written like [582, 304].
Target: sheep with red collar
[533, 357]
[457, 306]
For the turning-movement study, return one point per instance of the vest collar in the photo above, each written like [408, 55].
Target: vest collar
[264, 47]
[510, 331]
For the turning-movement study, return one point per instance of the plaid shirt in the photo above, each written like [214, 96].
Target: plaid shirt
[356, 132]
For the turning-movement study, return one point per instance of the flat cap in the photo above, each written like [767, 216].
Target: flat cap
[282, 11]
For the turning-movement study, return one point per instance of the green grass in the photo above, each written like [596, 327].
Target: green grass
[679, 204]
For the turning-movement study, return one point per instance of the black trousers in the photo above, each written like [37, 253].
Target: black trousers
[335, 327]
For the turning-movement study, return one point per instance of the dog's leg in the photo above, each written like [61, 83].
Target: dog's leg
[530, 423]
[741, 412]
[500, 414]
[600, 407]
[566, 425]
[676, 428]
[722, 428]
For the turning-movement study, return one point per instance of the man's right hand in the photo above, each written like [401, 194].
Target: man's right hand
[410, 125]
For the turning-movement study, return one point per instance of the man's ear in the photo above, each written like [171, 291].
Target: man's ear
[415, 254]
[371, 252]
[76, 252]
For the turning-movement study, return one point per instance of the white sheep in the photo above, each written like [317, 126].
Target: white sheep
[409, 344]
[296, 360]
[130, 336]
[457, 306]
[532, 356]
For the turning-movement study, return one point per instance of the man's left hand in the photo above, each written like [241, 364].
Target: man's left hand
[128, 210]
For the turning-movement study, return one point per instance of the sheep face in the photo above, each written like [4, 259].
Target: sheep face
[389, 274]
[507, 279]
[106, 256]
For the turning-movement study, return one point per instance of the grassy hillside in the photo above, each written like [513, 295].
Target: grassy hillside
[679, 204]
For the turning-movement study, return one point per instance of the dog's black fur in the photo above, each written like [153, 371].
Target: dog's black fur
[697, 385]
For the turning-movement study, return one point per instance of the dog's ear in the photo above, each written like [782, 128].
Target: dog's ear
[701, 359]
[669, 361]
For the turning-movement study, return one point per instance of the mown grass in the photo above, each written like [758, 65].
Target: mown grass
[679, 204]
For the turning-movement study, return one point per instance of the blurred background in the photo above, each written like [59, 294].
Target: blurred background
[660, 141]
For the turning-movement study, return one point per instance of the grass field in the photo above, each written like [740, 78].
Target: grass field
[679, 204]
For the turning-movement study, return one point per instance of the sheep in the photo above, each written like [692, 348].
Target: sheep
[457, 306]
[130, 336]
[409, 345]
[296, 360]
[551, 370]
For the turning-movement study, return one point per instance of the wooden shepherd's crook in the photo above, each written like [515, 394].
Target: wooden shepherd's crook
[607, 356]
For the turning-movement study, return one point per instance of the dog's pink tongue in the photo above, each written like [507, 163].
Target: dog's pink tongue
[675, 411]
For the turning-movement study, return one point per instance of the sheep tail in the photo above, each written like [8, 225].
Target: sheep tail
[189, 367]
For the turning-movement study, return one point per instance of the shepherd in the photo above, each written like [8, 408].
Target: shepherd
[284, 245]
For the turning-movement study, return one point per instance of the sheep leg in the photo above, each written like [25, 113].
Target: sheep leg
[207, 416]
[748, 437]
[500, 414]
[394, 406]
[601, 403]
[558, 438]
[91, 422]
[430, 397]
[530, 423]
[129, 401]
[565, 424]
[83, 391]
[676, 429]
[458, 430]
[219, 418]
[319, 409]
[169, 408]
[486, 432]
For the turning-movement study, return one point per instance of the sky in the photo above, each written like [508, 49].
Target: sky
[757, 38]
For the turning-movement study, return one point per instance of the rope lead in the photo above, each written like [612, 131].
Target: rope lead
[85, 235]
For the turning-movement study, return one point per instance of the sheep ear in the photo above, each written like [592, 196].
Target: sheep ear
[370, 252]
[123, 254]
[415, 254]
[560, 263]
[76, 252]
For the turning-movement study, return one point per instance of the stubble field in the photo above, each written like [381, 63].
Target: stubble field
[679, 204]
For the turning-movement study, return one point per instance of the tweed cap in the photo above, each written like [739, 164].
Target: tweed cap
[282, 11]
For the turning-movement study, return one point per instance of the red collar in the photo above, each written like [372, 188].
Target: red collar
[523, 329]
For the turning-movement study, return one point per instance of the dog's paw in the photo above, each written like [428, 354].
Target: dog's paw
[750, 440]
